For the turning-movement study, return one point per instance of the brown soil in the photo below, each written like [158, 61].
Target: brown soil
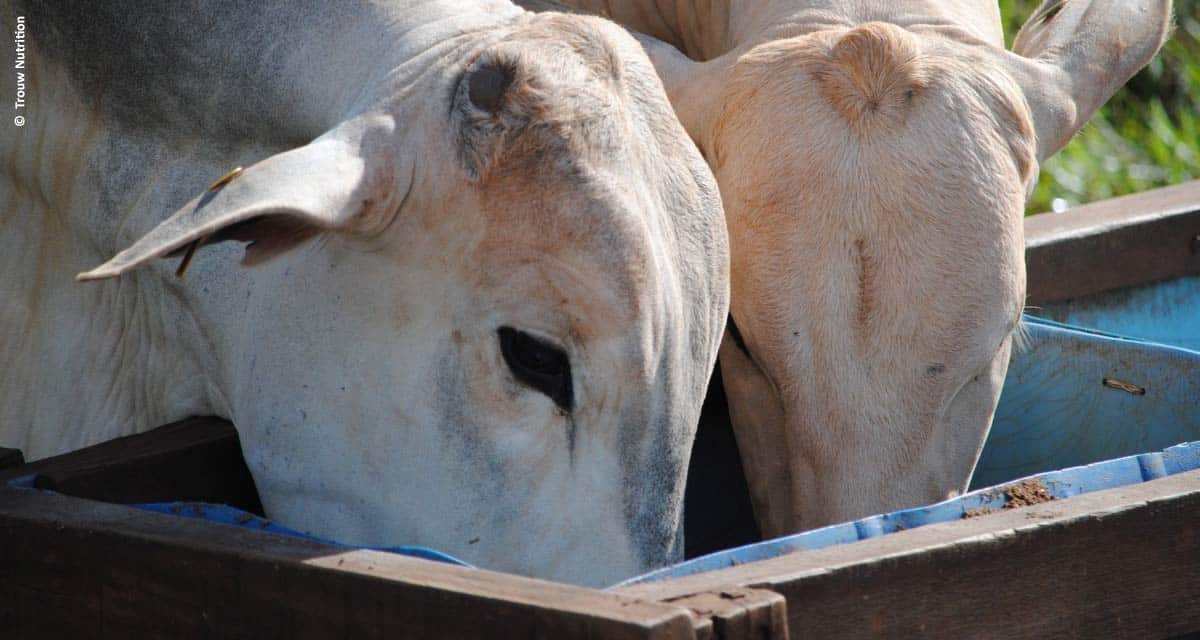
[1022, 494]
[975, 513]
[1027, 493]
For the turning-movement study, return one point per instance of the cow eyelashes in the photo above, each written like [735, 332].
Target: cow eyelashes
[736, 335]
[539, 364]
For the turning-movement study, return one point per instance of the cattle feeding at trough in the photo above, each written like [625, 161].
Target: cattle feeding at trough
[484, 271]
[874, 158]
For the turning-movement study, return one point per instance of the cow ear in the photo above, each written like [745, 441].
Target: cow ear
[694, 88]
[344, 181]
[1077, 53]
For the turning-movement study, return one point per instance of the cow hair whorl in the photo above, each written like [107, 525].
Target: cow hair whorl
[874, 71]
[550, 84]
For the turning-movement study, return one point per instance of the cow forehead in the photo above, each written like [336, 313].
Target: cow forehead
[866, 110]
[915, 192]
[587, 186]
[545, 234]
[574, 242]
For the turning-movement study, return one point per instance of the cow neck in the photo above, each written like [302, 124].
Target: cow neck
[706, 29]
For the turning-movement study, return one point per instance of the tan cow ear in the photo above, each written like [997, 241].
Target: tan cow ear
[1078, 53]
[694, 88]
[345, 181]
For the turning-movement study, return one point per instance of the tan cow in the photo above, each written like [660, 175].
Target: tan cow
[874, 158]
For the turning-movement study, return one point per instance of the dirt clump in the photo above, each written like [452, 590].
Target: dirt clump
[1027, 493]
[1021, 494]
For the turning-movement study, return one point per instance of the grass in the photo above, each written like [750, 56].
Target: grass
[1147, 136]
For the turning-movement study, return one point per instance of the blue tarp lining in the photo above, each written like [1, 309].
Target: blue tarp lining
[1060, 484]
[1165, 312]
[1057, 411]
[238, 518]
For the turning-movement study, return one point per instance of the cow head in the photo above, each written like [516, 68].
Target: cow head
[874, 181]
[484, 310]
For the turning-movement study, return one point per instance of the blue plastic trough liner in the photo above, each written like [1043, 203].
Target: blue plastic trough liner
[1060, 484]
[238, 518]
[1075, 396]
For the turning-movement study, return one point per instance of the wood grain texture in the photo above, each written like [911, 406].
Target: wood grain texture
[1122, 563]
[1112, 244]
[738, 614]
[10, 458]
[83, 569]
[198, 459]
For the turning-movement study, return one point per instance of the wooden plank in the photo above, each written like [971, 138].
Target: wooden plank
[1122, 563]
[738, 614]
[198, 459]
[1113, 244]
[78, 568]
[10, 458]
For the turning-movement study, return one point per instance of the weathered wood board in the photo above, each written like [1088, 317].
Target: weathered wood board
[198, 459]
[80, 568]
[76, 568]
[1118, 563]
[1122, 563]
[1112, 244]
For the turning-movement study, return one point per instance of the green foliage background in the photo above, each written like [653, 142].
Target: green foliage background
[1147, 136]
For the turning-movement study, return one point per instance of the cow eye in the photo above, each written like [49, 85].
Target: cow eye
[736, 335]
[539, 364]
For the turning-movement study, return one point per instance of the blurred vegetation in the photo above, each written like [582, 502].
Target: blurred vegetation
[1148, 135]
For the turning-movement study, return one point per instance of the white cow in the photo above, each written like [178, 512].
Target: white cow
[487, 269]
[874, 157]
